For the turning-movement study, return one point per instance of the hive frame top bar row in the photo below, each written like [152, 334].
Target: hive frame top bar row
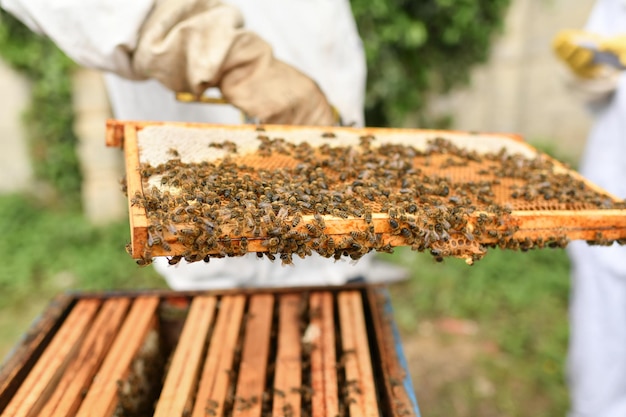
[588, 224]
[78, 358]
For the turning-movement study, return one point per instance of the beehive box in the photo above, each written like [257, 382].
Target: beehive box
[284, 352]
[197, 191]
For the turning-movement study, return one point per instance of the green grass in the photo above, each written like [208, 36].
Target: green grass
[519, 301]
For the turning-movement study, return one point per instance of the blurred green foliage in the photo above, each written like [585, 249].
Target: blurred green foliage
[52, 250]
[49, 118]
[418, 48]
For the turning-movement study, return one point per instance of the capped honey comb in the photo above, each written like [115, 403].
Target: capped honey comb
[198, 191]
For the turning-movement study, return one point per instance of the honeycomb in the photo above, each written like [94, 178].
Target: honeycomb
[208, 191]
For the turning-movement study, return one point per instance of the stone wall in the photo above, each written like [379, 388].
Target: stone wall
[15, 169]
[102, 167]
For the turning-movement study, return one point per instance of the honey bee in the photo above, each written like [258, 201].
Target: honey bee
[368, 216]
[146, 170]
[340, 213]
[137, 200]
[174, 259]
[271, 244]
[303, 251]
[319, 220]
[286, 258]
[358, 235]
[386, 248]
[187, 232]
[313, 230]
[243, 244]
[283, 212]
[296, 220]
[124, 185]
[406, 233]
[366, 140]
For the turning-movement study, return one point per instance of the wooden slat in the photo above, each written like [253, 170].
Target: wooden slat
[251, 379]
[42, 379]
[581, 224]
[575, 225]
[357, 360]
[396, 381]
[115, 127]
[114, 136]
[176, 396]
[218, 366]
[288, 365]
[24, 356]
[325, 399]
[84, 365]
[101, 398]
[138, 219]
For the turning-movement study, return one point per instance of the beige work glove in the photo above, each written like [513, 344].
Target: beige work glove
[191, 45]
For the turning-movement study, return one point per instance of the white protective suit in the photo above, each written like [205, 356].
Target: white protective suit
[597, 351]
[318, 37]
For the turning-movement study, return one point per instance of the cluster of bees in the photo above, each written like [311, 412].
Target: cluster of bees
[215, 209]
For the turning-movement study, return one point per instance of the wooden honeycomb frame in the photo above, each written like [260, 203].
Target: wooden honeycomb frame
[574, 224]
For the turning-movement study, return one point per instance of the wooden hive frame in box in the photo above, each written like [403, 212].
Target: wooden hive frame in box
[524, 218]
[285, 352]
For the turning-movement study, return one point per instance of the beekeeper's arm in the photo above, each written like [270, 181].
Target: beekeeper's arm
[187, 45]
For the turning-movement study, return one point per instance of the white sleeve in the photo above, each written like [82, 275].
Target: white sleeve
[607, 18]
[99, 34]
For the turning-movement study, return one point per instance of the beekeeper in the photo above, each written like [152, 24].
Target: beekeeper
[597, 349]
[280, 61]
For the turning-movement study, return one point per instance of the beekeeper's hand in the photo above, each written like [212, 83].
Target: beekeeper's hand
[574, 47]
[592, 83]
[190, 45]
[569, 46]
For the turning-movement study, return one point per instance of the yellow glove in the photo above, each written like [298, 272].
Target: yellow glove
[571, 47]
[615, 45]
[578, 49]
